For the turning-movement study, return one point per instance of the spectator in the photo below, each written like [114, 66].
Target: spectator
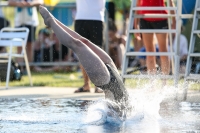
[111, 10]
[154, 23]
[42, 46]
[142, 59]
[63, 50]
[3, 23]
[116, 44]
[89, 24]
[183, 52]
[46, 43]
[26, 16]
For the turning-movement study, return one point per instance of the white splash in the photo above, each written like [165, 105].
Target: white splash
[146, 101]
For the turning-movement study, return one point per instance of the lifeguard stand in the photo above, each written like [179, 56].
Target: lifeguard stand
[173, 54]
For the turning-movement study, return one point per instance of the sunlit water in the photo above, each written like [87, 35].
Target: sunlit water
[152, 114]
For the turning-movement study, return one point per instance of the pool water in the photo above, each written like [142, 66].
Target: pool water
[42, 115]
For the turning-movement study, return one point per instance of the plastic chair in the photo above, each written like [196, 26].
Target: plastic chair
[14, 37]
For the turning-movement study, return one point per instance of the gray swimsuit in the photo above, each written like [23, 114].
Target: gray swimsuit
[120, 103]
[116, 86]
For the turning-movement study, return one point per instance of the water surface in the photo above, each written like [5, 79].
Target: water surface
[38, 115]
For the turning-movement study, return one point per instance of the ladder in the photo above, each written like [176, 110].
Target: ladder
[191, 54]
[130, 31]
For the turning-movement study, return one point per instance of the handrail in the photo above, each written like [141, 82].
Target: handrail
[71, 5]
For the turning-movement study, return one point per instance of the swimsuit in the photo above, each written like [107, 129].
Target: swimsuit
[119, 106]
[116, 86]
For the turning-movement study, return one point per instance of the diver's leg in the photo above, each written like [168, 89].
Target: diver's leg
[93, 65]
[101, 53]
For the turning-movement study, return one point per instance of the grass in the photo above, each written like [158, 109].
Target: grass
[59, 79]
[73, 79]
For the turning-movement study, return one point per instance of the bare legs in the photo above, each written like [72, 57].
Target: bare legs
[162, 42]
[150, 47]
[91, 57]
[86, 85]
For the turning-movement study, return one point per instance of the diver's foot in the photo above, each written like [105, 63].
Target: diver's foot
[47, 16]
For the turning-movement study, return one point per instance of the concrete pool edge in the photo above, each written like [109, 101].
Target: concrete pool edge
[67, 92]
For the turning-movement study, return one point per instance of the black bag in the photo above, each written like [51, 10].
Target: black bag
[4, 23]
[15, 72]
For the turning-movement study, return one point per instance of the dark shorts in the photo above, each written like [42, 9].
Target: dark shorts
[144, 24]
[90, 29]
[31, 35]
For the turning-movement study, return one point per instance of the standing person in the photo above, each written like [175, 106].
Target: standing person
[26, 16]
[97, 64]
[89, 24]
[3, 23]
[116, 44]
[154, 23]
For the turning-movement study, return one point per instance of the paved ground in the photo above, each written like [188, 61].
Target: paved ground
[47, 92]
[63, 92]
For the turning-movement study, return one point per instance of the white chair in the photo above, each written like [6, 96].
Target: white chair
[14, 37]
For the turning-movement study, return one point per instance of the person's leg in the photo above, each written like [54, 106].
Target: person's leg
[91, 62]
[162, 42]
[142, 62]
[31, 39]
[150, 47]
[120, 52]
[113, 51]
[19, 60]
[137, 44]
[86, 86]
[148, 41]
[81, 27]
[29, 51]
[101, 53]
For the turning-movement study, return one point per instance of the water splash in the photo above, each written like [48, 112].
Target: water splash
[146, 101]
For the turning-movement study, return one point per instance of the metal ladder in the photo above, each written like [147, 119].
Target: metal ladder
[130, 31]
[191, 54]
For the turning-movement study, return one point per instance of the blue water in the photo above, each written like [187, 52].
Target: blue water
[38, 115]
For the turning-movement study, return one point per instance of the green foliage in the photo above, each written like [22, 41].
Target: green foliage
[122, 4]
